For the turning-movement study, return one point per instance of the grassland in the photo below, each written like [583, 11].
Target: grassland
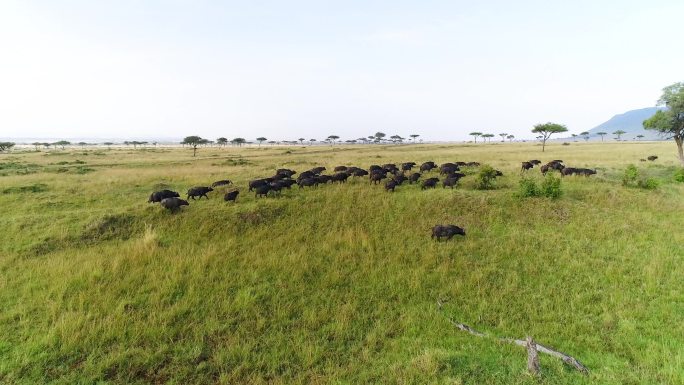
[336, 285]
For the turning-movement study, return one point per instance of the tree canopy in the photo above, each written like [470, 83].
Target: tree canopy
[475, 134]
[6, 146]
[194, 141]
[545, 130]
[670, 122]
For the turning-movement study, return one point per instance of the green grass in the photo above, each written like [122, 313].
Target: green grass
[337, 284]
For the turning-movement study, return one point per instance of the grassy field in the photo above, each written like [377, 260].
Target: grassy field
[336, 285]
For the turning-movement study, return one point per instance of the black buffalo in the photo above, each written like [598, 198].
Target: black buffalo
[262, 191]
[526, 166]
[199, 192]
[427, 166]
[390, 185]
[446, 231]
[414, 177]
[231, 196]
[340, 177]
[652, 158]
[173, 204]
[218, 183]
[308, 182]
[158, 196]
[429, 183]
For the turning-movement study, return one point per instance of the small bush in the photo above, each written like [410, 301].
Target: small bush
[528, 188]
[486, 177]
[551, 186]
[631, 176]
[649, 183]
[679, 175]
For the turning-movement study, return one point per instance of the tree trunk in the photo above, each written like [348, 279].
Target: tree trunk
[543, 145]
[680, 150]
[194, 150]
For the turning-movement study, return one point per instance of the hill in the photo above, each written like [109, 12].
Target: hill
[630, 122]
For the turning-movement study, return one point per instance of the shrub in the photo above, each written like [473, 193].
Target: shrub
[528, 188]
[551, 186]
[631, 175]
[679, 175]
[485, 178]
[649, 183]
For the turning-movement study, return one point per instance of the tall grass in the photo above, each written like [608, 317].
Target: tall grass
[337, 284]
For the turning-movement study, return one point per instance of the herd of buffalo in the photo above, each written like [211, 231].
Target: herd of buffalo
[392, 175]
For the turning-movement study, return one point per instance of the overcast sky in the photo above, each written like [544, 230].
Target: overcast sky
[290, 69]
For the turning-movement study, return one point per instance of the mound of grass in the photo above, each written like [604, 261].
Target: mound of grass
[34, 188]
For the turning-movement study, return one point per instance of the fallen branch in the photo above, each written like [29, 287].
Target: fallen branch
[541, 348]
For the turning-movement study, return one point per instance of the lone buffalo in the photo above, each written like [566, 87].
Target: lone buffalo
[199, 192]
[446, 231]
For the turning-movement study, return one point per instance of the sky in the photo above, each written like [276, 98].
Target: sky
[289, 69]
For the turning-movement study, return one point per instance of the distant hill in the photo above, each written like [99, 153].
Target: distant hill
[630, 122]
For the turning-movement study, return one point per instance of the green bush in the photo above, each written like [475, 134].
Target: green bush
[679, 175]
[631, 176]
[486, 177]
[551, 186]
[649, 183]
[528, 188]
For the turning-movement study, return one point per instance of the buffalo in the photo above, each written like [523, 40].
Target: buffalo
[652, 158]
[308, 182]
[340, 168]
[231, 196]
[199, 192]
[173, 204]
[285, 171]
[399, 178]
[407, 166]
[535, 162]
[317, 170]
[526, 166]
[158, 196]
[429, 183]
[376, 177]
[414, 177]
[360, 172]
[446, 231]
[262, 191]
[390, 185]
[218, 183]
[340, 177]
[427, 166]
[259, 182]
[323, 179]
[448, 168]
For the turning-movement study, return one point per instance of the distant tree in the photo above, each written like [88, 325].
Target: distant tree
[574, 137]
[127, 143]
[618, 133]
[271, 142]
[503, 136]
[371, 137]
[261, 139]
[154, 144]
[670, 122]
[238, 141]
[488, 137]
[62, 143]
[395, 138]
[510, 138]
[585, 135]
[82, 144]
[108, 144]
[194, 142]
[36, 145]
[333, 138]
[47, 145]
[414, 136]
[545, 130]
[475, 134]
[602, 134]
[222, 142]
[379, 136]
[639, 137]
[312, 140]
[6, 146]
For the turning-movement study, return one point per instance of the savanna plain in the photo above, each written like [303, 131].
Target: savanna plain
[338, 284]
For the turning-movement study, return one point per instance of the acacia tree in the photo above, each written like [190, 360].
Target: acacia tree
[194, 141]
[239, 141]
[333, 138]
[585, 135]
[261, 139]
[510, 138]
[108, 144]
[602, 134]
[545, 130]
[618, 133]
[36, 145]
[488, 137]
[6, 146]
[414, 136]
[301, 140]
[503, 136]
[222, 141]
[639, 137]
[82, 144]
[62, 143]
[670, 122]
[475, 135]
[379, 136]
